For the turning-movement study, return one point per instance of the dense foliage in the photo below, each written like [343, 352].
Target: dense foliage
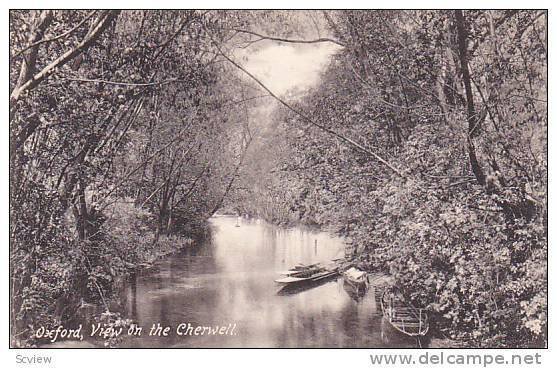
[123, 135]
[455, 104]
[425, 143]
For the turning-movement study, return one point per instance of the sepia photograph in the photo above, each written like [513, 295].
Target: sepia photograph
[220, 178]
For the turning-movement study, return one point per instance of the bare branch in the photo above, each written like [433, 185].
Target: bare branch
[308, 119]
[289, 40]
[128, 84]
[102, 24]
[136, 169]
[65, 34]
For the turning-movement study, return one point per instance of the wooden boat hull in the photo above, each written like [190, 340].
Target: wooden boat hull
[358, 284]
[402, 316]
[354, 291]
[355, 278]
[314, 277]
[302, 277]
[294, 288]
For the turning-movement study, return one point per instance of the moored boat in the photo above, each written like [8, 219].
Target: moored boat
[402, 316]
[294, 288]
[355, 277]
[354, 292]
[300, 269]
[303, 274]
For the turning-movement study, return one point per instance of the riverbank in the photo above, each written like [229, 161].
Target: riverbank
[165, 246]
[108, 309]
[223, 278]
[229, 279]
[359, 256]
[232, 276]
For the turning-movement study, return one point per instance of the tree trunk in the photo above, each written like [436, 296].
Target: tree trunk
[473, 121]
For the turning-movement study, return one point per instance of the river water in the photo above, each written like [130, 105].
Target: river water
[229, 281]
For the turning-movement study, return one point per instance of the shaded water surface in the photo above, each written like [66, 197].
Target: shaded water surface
[229, 280]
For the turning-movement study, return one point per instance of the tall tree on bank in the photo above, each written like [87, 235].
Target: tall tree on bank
[456, 101]
[116, 127]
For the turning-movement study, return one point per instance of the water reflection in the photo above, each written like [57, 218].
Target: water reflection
[230, 280]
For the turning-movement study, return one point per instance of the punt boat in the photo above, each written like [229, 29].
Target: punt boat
[355, 278]
[403, 316]
[306, 274]
[301, 269]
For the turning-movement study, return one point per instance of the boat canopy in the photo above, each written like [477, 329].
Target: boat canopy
[356, 274]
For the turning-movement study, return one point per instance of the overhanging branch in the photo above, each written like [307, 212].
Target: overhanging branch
[308, 119]
[289, 40]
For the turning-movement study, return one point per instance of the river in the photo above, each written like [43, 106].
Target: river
[229, 281]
